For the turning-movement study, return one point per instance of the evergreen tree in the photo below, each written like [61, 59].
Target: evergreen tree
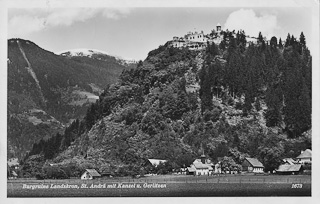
[288, 41]
[260, 38]
[302, 39]
[280, 44]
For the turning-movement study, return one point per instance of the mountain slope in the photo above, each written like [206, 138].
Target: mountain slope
[98, 55]
[224, 101]
[47, 91]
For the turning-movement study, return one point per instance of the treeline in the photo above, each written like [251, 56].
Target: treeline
[278, 74]
[51, 147]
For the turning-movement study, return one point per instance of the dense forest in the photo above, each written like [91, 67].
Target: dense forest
[253, 99]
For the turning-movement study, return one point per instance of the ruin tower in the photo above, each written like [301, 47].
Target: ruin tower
[218, 28]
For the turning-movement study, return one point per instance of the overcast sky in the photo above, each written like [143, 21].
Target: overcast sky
[133, 32]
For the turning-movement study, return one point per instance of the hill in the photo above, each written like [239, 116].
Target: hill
[229, 101]
[46, 92]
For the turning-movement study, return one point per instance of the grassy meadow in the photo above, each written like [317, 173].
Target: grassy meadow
[169, 186]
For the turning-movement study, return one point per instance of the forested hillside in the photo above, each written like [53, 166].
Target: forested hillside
[231, 101]
[46, 92]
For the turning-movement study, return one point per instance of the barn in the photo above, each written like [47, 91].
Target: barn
[90, 174]
[252, 165]
[290, 169]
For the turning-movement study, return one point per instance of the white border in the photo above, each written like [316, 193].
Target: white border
[5, 4]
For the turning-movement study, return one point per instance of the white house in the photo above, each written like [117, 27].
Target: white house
[197, 40]
[203, 169]
[90, 174]
[201, 166]
[305, 156]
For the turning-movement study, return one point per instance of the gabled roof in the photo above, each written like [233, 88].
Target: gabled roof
[202, 166]
[93, 172]
[255, 162]
[207, 161]
[218, 24]
[289, 168]
[191, 169]
[306, 154]
[156, 162]
[289, 161]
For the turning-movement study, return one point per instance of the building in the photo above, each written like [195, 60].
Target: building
[90, 174]
[305, 157]
[218, 27]
[290, 169]
[252, 165]
[196, 40]
[201, 166]
[195, 37]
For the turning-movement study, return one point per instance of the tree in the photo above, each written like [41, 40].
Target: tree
[302, 39]
[280, 44]
[297, 109]
[273, 42]
[260, 38]
[274, 102]
[228, 164]
[288, 41]
[271, 157]
[151, 122]
[182, 105]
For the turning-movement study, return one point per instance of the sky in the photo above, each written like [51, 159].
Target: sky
[131, 32]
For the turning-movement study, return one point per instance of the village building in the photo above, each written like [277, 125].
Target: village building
[201, 166]
[305, 157]
[90, 174]
[197, 40]
[290, 169]
[252, 165]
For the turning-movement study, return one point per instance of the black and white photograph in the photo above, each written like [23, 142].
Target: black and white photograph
[111, 99]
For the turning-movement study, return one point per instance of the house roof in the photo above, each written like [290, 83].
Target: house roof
[289, 161]
[156, 162]
[305, 154]
[191, 169]
[254, 162]
[207, 161]
[93, 172]
[218, 24]
[200, 165]
[288, 168]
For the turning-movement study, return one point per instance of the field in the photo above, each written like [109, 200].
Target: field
[166, 186]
